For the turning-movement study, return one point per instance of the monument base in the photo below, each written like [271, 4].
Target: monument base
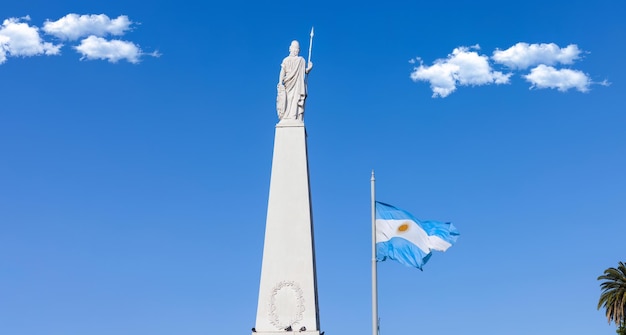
[288, 289]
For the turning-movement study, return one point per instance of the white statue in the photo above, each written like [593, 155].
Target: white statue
[292, 84]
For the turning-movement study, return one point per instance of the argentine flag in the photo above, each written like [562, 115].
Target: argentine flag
[403, 238]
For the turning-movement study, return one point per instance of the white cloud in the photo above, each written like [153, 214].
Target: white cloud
[524, 55]
[544, 76]
[463, 67]
[19, 39]
[73, 26]
[94, 47]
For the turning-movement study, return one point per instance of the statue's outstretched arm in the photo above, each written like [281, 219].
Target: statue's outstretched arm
[308, 69]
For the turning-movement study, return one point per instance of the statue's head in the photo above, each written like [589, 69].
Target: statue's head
[294, 48]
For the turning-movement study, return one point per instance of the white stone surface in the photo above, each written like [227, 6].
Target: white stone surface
[291, 86]
[288, 286]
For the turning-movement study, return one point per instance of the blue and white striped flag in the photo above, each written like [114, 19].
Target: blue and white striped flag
[403, 238]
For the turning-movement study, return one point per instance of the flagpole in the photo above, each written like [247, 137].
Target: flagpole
[374, 273]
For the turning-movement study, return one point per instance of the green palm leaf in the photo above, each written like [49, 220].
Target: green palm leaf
[613, 296]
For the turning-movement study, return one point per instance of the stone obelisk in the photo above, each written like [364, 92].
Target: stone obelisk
[288, 286]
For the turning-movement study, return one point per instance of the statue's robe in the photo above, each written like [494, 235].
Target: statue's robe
[293, 70]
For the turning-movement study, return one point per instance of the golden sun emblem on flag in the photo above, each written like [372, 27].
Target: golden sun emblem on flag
[403, 227]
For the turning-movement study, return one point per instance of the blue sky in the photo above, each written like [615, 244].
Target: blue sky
[134, 174]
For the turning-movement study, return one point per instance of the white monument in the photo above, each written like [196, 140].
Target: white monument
[288, 287]
[292, 84]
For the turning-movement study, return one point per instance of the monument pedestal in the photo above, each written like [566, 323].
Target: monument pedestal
[288, 287]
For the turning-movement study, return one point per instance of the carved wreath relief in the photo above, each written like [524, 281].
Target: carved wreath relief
[286, 305]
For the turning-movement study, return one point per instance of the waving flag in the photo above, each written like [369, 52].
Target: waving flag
[403, 238]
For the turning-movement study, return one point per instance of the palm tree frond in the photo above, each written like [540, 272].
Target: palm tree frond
[613, 296]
